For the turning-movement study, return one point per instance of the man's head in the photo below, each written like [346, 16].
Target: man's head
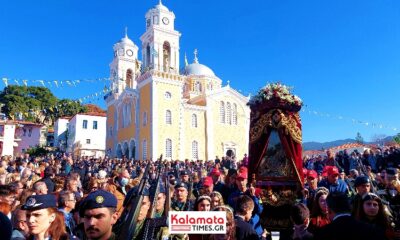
[20, 222]
[99, 214]
[299, 214]
[333, 174]
[184, 174]
[362, 185]
[245, 207]
[208, 185]
[40, 188]
[312, 179]
[241, 179]
[215, 174]
[337, 203]
[67, 200]
[181, 191]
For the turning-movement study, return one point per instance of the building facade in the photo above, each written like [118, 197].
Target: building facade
[31, 135]
[61, 133]
[86, 134]
[156, 107]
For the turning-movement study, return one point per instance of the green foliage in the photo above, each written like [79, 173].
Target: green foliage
[359, 138]
[397, 138]
[37, 151]
[36, 104]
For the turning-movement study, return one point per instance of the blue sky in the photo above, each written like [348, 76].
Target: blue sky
[342, 57]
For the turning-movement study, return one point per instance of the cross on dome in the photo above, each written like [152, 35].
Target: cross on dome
[196, 60]
[186, 61]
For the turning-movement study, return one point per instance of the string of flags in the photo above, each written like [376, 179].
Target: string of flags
[95, 96]
[50, 83]
[310, 111]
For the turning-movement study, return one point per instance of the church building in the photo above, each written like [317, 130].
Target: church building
[158, 107]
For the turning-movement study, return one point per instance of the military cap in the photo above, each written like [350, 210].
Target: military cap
[36, 202]
[391, 171]
[185, 172]
[133, 193]
[181, 184]
[360, 180]
[98, 199]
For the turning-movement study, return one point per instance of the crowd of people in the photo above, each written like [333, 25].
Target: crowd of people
[345, 196]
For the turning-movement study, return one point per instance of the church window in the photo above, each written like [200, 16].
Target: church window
[228, 113]
[144, 149]
[168, 117]
[194, 120]
[129, 78]
[234, 114]
[195, 150]
[222, 112]
[166, 56]
[155, 20]
[148, 56]
[144, 118]
[197, 87]
[167, 95]
[168, 148]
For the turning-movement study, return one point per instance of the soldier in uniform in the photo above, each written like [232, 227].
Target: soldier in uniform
[181, 203]
[98, 212]
[41, 215]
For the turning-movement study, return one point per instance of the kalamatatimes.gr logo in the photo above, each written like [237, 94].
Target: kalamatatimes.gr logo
[213, 222]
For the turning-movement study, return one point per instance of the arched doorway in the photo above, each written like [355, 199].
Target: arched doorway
[126, 149]
[119, 151]
[132, 149]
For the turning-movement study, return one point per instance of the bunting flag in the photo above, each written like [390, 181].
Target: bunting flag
[41, 82]
[68, 82]
[306, 109]
[55, 83]
[25, 82]
[16, 81]
[5, 80]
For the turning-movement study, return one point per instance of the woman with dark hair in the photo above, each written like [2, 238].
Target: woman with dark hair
[372, 211]
[319, 210]
[203, 203]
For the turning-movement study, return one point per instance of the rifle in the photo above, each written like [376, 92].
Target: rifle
[129, 219]
[153, 223]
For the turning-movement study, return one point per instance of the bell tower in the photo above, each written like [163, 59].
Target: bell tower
[160, 42]
[125, 66]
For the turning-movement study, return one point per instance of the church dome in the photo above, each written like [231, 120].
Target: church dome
[161, 7]
[198, 69]
[126, 40]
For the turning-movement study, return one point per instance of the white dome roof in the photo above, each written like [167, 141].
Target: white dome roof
[160, 6]
[126, 40]
[198, 69]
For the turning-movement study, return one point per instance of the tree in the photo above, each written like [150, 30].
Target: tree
[36, 104]
[397, 138]
[359, 138]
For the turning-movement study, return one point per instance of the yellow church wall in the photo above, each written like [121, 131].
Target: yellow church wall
[167, 131]
[195, 134]
[145, 106]
[224, 133]
[129, 132]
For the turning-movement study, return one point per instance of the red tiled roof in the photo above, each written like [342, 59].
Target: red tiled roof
[29, 123]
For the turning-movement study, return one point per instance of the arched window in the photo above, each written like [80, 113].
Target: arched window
[144, 149]
[228, 113]
[148, 56]
[168, 95]
[129, 78]
[166, 56]
[168, 148]
[194, 120]
[195, 150]
[234, 114]
[197, 87]
[222, 112]
[144, 118]
[168, 118]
